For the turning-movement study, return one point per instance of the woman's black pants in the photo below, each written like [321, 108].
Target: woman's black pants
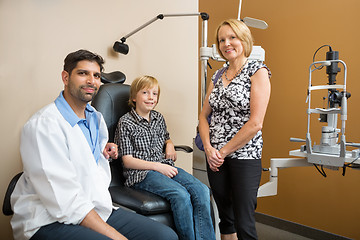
[234, 188]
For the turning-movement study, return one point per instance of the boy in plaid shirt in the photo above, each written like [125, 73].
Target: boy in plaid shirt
[141, 136]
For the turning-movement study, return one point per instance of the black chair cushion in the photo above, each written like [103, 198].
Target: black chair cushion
[142, 202]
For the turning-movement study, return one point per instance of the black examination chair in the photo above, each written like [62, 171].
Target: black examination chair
[112, 102]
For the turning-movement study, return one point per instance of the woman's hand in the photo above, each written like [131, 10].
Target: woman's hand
[166, 170]
[214, 158]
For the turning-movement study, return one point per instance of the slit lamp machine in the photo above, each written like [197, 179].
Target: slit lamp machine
[332, 151]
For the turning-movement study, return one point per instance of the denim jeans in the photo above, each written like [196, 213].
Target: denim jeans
[189, 200]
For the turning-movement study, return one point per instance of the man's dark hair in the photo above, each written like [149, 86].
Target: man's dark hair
[73, 58]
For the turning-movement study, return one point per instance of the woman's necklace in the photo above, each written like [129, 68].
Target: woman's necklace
[237, 73]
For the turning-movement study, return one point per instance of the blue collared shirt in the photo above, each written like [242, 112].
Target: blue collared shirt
[89, 125]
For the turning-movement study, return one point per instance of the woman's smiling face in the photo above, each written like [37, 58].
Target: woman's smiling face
[229, 44]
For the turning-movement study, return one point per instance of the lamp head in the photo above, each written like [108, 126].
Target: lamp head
[121, 47]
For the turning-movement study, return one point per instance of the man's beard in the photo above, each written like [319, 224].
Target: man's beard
[81, 95]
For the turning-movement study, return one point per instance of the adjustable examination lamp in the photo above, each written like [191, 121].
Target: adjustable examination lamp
[122, 47]
[205, 51]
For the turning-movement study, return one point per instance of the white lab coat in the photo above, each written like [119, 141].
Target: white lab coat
[61, 180]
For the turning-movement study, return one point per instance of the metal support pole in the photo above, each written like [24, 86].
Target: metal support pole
[204, 62]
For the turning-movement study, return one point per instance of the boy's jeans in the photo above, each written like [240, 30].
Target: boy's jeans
[189, 200]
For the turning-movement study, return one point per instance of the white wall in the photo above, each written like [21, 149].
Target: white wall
[36, 36]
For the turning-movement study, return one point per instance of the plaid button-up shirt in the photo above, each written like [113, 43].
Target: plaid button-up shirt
[142, 139]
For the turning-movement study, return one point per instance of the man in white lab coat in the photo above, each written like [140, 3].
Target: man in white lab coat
[63, 192]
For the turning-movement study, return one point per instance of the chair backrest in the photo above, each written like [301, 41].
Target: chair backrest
[112, 101]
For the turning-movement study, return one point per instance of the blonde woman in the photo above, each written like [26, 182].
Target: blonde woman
[233, 139]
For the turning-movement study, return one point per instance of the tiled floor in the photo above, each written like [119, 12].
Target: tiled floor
[266, 232]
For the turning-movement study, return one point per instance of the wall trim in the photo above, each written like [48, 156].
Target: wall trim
[296, 228]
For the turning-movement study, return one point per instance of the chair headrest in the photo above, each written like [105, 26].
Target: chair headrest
[113, 77]
[112, 101]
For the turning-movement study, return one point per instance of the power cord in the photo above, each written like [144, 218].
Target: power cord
[330, 49]
[322, 171]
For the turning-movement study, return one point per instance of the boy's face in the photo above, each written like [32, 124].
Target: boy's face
[146, 100]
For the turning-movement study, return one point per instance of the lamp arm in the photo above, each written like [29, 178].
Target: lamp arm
[160, 16]
[204, 16]
[239, 10]
[124, 48]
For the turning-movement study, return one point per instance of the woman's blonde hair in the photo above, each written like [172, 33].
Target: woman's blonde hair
[242, 32]
[144, 82]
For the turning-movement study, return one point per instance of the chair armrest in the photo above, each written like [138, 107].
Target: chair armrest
[142, 202]
[183, 148]
[7, 204]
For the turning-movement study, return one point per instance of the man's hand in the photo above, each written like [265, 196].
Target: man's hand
[93, 221]
[111, 151]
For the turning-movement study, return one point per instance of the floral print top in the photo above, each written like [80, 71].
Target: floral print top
[231, 110]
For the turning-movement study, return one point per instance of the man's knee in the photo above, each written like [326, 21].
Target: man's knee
[165, 234]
